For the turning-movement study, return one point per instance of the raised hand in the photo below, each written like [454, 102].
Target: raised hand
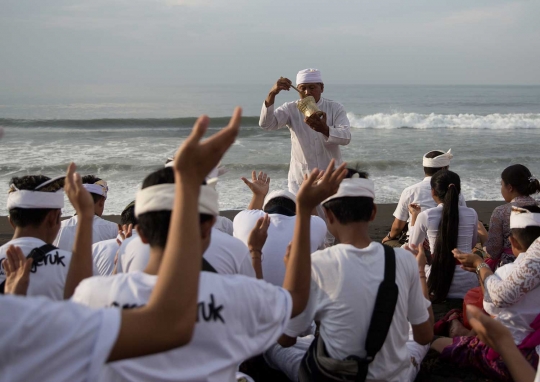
[310, 194]
[259, 185]
[17, 268]
[281, 84]
[79, 197]
[195, 158]
[469, 261]
[418, 252]
[124, 231]
[259, 234]
[414, 209]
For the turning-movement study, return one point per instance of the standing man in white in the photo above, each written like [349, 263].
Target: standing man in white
[315, 140]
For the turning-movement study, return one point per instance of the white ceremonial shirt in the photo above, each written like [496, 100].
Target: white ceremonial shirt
[238, 317]
[427, 224]
[103, 253]
[44, 340]
[518, 316]
[101, 230]
[419, 193]
[280, 233]
[133, 254]
[224, 224]
[47, 277]
[344, 285]
[309, 149]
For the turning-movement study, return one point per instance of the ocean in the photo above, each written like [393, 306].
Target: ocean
[124, 135]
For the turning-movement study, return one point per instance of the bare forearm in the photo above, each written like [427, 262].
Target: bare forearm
[256, 202]
[298, 274]
[397, 228]
[81, 264]
[425, 292]
[270, 99]
[257, 266]
[518, 366]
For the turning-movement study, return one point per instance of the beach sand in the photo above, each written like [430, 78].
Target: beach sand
[378, 229]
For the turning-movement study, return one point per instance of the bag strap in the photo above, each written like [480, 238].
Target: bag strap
[36, 254]
[385, 305]
[207, 267]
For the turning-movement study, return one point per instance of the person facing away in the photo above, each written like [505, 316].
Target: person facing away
[104, 252]
[103, 229]
[419, 193]
[447, 226]
[280, 205]
[314, 140]
[35, 205]
[518, 313]
[344, 280]
[517, 186]
[237, 317]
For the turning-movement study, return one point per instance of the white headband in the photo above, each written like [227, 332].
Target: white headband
[161, 198]
[35, 199]
[99, 188]
[522, 218]
[354, 187]
[279, 194]
[309, 76]
[442, 160]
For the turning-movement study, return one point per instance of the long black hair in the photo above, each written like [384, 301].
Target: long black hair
[447, 187]
[521, 179]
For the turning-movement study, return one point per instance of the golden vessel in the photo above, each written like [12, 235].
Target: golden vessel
[308, 106]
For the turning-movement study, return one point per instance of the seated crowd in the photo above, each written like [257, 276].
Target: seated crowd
[140, 308]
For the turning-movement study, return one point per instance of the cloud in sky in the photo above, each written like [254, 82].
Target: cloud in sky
[55, 43]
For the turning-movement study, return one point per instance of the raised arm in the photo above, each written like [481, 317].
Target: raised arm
[259, 187]
[256, 240]
[272, 118]
[298, 272]
[168, 320]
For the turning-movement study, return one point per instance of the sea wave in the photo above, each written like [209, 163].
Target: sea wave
[454, 121]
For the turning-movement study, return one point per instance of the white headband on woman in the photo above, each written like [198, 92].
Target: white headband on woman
[161, 198]
[99, 188]
[354, 187]
[522, 218]
[34, 199]
[442, 160]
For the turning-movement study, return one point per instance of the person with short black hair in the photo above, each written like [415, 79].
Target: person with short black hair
[103, 229]
[419, 193]
[104, 252]
[344, 284]
[517, 186]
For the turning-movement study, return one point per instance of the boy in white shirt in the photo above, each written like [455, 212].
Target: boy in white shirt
[343, 292]
[102, 229]
[35, 205]
[63, 341]
[238, 317]
[280, 205]
[105, 251]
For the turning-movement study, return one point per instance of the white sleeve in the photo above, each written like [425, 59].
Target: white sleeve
[417, 306]
[273, 119]
[402, 208]
[418, 232]
[340, 132]
[57, 341]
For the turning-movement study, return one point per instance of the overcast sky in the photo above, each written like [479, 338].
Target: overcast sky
[106, 43]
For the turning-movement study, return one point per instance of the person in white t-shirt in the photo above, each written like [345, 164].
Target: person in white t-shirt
[35, 205]
[520, 314]
[280, 206]
[420, 194]
[103, 229]
[238, 317]
[104, 252]
[63, 341]
[447, 226]
[344, 280]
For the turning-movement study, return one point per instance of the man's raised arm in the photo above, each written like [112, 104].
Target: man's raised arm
[271, 118]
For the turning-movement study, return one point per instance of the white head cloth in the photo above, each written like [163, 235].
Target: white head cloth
[161, 198]
[99, 188]
[522, 218]
[354, 187]
[279, 194]
[442, 160]
[35, 199]
[309, 76]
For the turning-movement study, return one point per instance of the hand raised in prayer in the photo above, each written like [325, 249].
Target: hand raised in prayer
[259, 234]
[414, 209]
[79, 197]
[17, 268]
[281, 84]
[124, 232]
[317, 122]
[419, 253]
[489, 331]
[469, 261]
[259, 185]
[310, 194]
[195, 158]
